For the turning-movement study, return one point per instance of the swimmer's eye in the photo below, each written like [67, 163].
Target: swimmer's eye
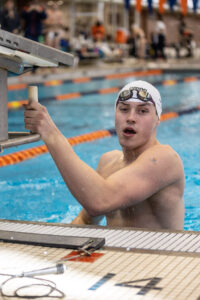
[123, 108]
[143, 110]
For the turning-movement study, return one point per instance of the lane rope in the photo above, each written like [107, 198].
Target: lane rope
[110, 90]
[55, 82]
[23, 155]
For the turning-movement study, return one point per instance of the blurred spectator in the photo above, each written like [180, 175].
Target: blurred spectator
[98, 31]
[158, 39]
[84, 53]
[137, 42]
[83, 47]
[10, 20]
[121, 35]
[132, 46]
[64, 40]
[153, 45]
[190, 43]
[186, 45]
[32, 21]
[55, 30]
[181, 30]
[107, 52]
[161, 31]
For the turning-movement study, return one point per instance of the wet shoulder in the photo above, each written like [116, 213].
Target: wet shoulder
[108, 159]
[165, 152]
[166, 160]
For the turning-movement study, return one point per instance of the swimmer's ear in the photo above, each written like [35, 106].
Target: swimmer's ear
[158, 122]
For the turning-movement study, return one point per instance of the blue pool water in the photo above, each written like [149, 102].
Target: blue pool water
[34, 190]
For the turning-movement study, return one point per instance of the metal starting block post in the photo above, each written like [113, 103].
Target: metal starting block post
[18, 55]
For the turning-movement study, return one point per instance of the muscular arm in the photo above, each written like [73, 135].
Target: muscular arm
[153, 170]
[83, 218]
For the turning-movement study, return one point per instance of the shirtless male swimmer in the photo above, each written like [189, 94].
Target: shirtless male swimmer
[140, 186]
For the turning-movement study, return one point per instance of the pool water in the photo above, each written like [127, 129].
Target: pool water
[34, 190]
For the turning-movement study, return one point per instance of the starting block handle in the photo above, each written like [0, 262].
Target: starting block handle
[32, 93]
[13, 139]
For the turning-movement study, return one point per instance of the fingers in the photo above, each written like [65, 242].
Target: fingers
[34, 115]
[31, 124]
[34, 110]
[30, 113]
[31, 128]
[31, 120]
[33, 105]
[38, 120]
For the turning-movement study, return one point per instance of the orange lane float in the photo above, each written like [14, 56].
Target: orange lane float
[81, 79]
[190, 79]
[169, 82]
[17, 86]
[169, 115]
[68, 96]
[136, 73]
[17, 104]
[53, 82]
[111, 90]
[23, 155]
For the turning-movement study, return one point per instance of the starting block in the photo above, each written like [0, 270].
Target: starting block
[19, 55]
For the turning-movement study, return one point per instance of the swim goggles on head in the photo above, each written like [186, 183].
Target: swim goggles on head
[135, 93]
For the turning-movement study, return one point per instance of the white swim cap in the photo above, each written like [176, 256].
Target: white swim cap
[140, 91]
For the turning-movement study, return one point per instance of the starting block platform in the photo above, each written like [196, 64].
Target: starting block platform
[133, 263]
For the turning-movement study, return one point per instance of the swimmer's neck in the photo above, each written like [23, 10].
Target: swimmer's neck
[129, 155]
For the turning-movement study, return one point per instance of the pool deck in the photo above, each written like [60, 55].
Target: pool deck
[133, 264]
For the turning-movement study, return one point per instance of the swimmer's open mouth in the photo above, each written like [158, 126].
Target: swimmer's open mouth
[129, 130]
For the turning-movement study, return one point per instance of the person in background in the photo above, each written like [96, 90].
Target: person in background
[98, 31]
[122, 35]
[137, 41]
[159, 38]
[186, 44]
[55, 26]
[181, 30]
[10, 20]
[142, 185]
[32, 21]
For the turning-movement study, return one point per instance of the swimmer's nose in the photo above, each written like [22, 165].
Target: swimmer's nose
[131, 116]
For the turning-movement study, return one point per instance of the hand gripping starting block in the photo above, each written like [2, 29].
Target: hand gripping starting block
[18, 55]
